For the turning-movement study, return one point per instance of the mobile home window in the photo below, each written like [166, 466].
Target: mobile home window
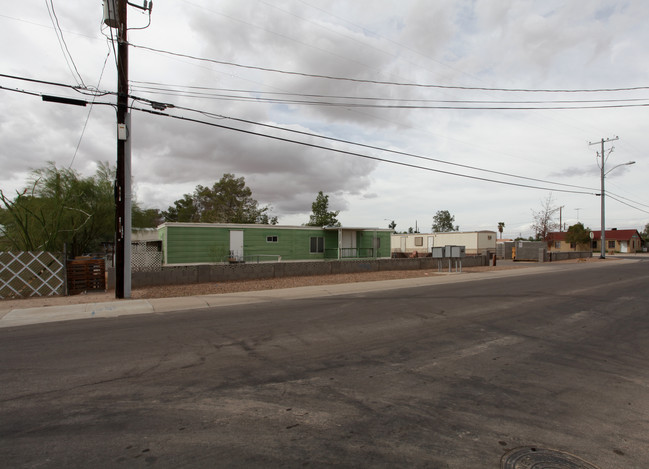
[271, 239]
[317, 244]
[419, 240]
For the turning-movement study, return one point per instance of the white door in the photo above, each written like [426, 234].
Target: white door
[402, 244]
[431, 244]
[624, 246]
[236, 244]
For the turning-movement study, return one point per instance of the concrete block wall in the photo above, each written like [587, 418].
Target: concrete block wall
[563, 256]
[206, 273]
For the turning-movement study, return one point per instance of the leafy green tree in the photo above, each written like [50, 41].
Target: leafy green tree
[59, 207]
[645, 233]
[145, 218]
[443, 222]
[321, 215]
[392, 226]
[578, 234]
[228, 201]
[183, 210]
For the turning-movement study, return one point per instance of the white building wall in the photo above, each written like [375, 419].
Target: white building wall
[475, 242]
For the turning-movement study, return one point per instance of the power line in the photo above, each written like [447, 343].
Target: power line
[156, 87]
[379, 82]
[411, 155]
[329, 138]
[360, 155]
[79, 89]
[62, 44]
[608, 194]
[85, 124]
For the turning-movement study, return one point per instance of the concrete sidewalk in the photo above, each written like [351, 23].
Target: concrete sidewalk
[111, 309]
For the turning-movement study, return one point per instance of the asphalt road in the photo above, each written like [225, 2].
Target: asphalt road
[453, 376]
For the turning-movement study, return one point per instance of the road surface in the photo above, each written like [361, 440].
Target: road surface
[455, 375]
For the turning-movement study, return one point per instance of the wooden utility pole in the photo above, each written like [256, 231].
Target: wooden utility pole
[123, 176]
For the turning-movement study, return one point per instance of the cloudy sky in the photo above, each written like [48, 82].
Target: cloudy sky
[419, 97]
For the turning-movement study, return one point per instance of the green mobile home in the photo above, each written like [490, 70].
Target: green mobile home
[195, 243]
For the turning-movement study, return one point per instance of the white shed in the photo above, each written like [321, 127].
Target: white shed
[475, 242]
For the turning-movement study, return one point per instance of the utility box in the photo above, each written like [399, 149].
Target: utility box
[438, 252]
[455, 252]
[458, 251]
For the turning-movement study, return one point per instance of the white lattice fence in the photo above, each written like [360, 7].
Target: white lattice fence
[24, 274]
[145, 257]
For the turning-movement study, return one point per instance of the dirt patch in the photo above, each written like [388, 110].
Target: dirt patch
[173, 291]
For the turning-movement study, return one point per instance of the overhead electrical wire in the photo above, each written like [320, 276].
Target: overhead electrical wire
[351, 153]
[62, 44]
[379, 82]
[208, 114]
[85, 124]
[372, 147]
[335, 150]
[348, 142]
[170, 90]
[608, 194]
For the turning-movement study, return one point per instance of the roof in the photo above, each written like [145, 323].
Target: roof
[617, 235]
[273, 227]
[447, 233]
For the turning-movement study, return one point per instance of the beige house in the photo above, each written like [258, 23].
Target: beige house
[475, 242]
[622, 241]
[557, 243]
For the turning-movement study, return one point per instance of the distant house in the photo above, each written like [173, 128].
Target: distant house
[196, 243]
[623, 241]
[475, 242]
[557, 243]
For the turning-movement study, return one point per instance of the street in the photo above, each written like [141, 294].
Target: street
[447, 376]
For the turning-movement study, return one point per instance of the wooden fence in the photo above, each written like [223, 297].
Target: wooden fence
[25, 274]
[86, 274]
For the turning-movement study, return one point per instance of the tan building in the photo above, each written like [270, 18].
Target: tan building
[622, 241]
[475, 242]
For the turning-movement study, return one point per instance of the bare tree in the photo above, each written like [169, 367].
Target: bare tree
[544, 219]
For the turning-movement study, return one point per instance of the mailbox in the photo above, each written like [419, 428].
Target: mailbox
[438, 252]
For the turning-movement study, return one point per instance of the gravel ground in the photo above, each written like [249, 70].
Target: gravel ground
[172, 291]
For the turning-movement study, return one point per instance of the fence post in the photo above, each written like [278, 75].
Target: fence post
[65, 269]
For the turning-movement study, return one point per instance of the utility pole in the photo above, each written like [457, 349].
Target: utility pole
[115, 16]
[115, 12]
[602, 193]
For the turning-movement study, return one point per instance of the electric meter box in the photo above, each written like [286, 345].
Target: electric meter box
[438, 252]
[454, 252]
[458, 251]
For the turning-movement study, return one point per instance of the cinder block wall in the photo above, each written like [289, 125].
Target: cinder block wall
[564, 256]
[179, 275]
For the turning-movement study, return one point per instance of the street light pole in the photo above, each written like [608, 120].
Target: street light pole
[602, 236]
[603, 174]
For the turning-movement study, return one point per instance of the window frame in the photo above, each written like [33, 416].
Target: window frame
[319, 244]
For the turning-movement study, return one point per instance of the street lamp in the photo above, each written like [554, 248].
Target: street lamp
[603, 214]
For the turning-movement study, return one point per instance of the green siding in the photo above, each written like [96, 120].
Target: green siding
[191, 244]
[291, 244]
